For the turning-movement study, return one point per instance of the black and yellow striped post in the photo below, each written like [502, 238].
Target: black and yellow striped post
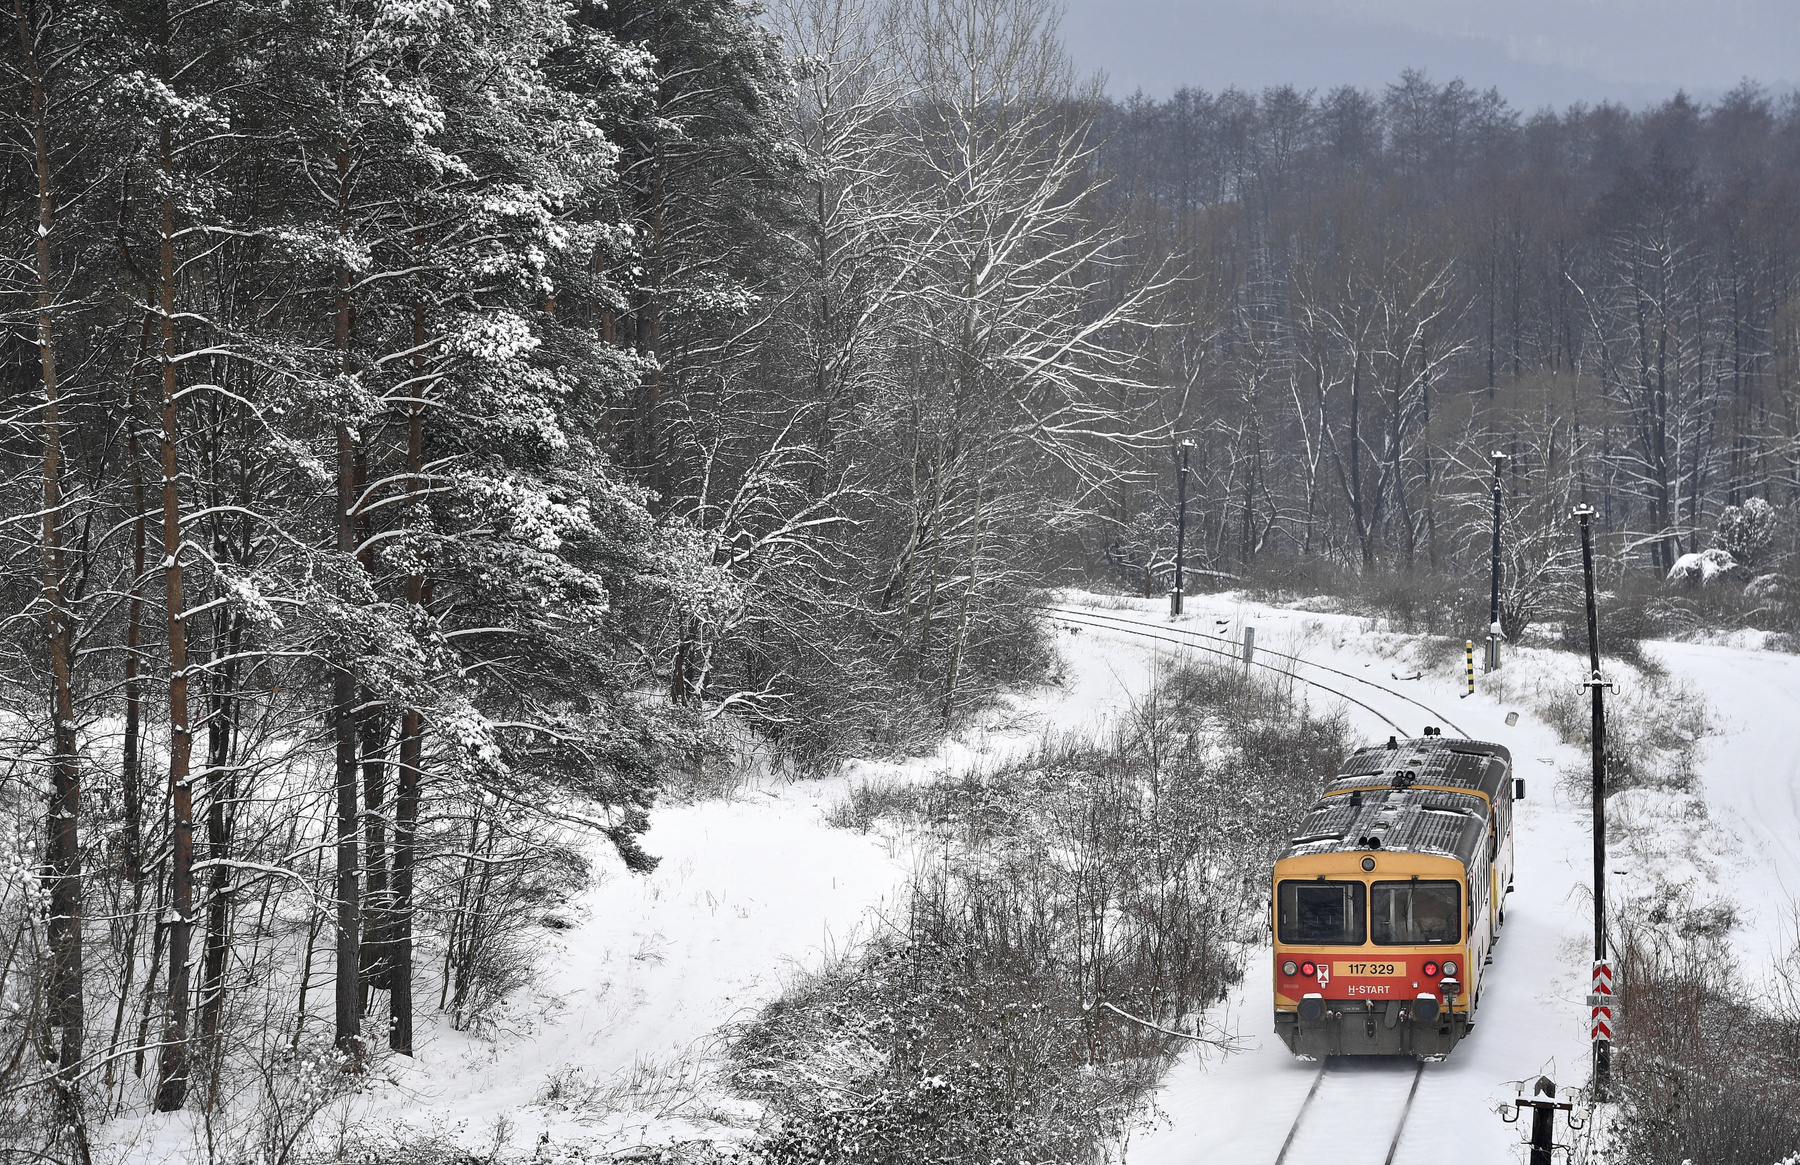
[1469, 661]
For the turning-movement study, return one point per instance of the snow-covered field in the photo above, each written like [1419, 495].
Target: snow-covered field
[619, 1040]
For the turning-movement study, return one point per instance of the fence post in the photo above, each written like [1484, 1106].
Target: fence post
[1249, 646]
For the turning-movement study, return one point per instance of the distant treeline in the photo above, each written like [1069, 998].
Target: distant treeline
[1380, 289]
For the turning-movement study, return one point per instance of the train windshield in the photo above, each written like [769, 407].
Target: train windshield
[1410, 913]
[1323, 912]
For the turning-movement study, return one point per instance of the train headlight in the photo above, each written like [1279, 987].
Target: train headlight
[1289, 967]
[1449, 967]
[1431, 970]
[1307, 969]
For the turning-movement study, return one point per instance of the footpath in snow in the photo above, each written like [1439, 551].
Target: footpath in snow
[1750, 775]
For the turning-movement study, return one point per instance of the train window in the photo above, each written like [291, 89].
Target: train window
[1323, 912]
[1408, 913]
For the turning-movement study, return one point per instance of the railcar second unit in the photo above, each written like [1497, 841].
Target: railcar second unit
[1389, 897]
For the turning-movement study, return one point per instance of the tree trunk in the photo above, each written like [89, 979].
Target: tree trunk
[63, 844]
[377, 913]
[221, 790]
[131, 763]
[343, 698]
[406, 795]
[172, 1071]
[962, 615]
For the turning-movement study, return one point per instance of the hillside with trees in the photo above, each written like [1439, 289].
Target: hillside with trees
[430, 430]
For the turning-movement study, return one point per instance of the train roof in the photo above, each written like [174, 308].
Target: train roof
[1424, 795]
[1474, 765]
[1405, 820]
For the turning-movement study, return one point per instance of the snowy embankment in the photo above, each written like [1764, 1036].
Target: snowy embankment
[620, 1038]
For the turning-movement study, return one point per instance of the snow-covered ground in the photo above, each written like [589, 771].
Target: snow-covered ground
[618, 1041]
[1750, 770]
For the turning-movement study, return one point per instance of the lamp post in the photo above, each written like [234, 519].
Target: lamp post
[1180, 528]
[1493, 639]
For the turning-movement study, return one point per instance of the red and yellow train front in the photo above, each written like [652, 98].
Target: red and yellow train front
[1371, 954]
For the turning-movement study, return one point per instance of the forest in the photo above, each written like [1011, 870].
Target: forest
[432, 427]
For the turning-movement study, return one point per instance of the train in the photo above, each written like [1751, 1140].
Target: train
[1387, 900]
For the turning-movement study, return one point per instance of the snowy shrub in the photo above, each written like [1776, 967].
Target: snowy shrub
[1708, 566]
[973, 1030]
[1704, 1075]
[1746, 531]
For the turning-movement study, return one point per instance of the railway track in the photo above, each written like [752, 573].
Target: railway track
[1338, 1121]
[1357, 1108]
[1184, 637]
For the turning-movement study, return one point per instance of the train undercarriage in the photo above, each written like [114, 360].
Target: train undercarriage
[1376, 1027]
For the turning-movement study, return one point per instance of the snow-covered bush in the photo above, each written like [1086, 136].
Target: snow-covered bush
[1705, 567]
[972, 1032]
[1703, 1074]
[1746, 531]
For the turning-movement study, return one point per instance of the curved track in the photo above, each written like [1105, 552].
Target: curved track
[1194, 639]
[1349, 1092]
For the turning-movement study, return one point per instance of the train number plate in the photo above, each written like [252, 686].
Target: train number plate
[1369, 970]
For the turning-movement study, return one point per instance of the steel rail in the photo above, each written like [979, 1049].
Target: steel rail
[1305, 1105]
[1294, 1129]
[1394, 1145]
[1452, 725]
[1232, 655]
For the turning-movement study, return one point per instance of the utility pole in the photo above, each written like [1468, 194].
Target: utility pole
[1544, 1106]
[1180, 528]
[1493, 639]
[1601, 1035]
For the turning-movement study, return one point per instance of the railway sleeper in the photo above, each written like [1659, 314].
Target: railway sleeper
[1371, 1028]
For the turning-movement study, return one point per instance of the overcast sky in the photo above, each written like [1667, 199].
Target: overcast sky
[1538, 52]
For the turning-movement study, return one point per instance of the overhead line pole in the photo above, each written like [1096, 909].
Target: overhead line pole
[1493, 638]
[1602, 1047]
[1180, 529]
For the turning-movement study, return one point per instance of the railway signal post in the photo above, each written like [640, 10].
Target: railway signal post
[1187, 447]
[1492, 661]
[1600, 1032]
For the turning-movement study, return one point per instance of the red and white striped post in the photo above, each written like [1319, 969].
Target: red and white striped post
[1601, 1001]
